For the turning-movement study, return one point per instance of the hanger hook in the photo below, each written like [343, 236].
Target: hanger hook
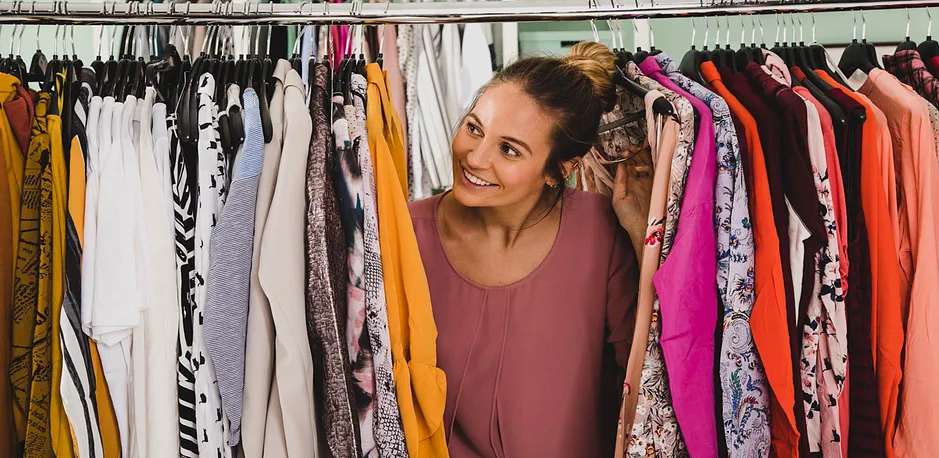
[707, 31]
[694, 31]
[776, 18]
[854, 31]
[863, 26]
[929, 29]
[813, 27]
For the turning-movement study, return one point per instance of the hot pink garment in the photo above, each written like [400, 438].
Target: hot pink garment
[529, 365]
[687, 287]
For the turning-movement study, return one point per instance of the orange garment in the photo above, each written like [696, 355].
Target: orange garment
[886, 322]
[919, 188]
[421, 386]
[768, 318]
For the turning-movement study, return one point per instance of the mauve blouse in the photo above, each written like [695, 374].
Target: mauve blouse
[530, 366]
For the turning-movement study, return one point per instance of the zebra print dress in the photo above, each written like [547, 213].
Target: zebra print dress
[183, 174]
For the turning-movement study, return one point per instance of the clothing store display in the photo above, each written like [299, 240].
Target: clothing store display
[248, 257]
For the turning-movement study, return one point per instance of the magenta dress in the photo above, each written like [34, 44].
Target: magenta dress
[534, 368]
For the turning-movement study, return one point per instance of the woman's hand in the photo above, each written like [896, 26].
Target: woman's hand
[632, 191]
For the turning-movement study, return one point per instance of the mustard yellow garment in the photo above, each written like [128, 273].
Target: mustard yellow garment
[421, 386]
[31, 369]
[12, 155]
[7, 261]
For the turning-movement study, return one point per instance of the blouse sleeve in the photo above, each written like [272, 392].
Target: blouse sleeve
[622, 291]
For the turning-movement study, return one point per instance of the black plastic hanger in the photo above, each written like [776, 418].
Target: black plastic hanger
[690, 64]
[907, 44]
[929, 48]
[855, 56]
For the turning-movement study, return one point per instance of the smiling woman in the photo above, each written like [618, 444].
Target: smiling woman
[533, 284]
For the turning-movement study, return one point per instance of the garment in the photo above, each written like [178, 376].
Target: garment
[662, 141]
[77, 386]
[768, 316]
[349, 192]
[435, 125]
[183, 159]
[933, 121]
[61, 435]
[326, 282]
[259, 341]
[688, 346]
[213, 191]
[11, 173]
[836, 184]
[777, 67]
[281, 271]
[875, 376]
[227, 294]
[909, 68]
[410, 319]
[746, 424]
[389, 434]
[655, 425]
[476, 63]
[824, 342]
[914, 150]
[478, 323]
[30, 370]
[932, 65]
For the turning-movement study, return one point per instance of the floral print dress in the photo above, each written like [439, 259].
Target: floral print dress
[655, 430]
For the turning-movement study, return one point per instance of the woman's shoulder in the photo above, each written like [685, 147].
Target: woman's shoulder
[424, 209]
[589, 210]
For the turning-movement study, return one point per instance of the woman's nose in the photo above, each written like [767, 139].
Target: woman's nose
[479, 157]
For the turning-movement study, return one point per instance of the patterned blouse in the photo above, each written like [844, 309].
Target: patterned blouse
[824, 347]
[655, 430]
[743, 381]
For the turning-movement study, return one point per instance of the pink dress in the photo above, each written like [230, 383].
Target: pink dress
[530, 366]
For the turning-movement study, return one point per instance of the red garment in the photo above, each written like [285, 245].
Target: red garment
[933, 66]
[21, 111]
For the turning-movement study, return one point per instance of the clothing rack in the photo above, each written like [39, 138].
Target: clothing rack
[147, 13]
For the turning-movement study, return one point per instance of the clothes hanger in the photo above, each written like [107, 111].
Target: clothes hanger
[744, 54]
[869, 47]
[929, 48]
[690, 65]
[907, 44]
[855, 56]
[38, 64]
[819, 55]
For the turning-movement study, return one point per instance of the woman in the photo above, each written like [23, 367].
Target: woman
[533, 284]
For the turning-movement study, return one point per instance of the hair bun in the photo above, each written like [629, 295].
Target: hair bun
[598, 64]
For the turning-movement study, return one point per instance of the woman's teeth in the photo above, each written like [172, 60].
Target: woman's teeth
[476, 180]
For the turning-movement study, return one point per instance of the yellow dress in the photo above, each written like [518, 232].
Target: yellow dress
[421, 386]
[31, 369]
[59, 428]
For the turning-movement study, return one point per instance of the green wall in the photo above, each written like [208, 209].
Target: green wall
[671, 35]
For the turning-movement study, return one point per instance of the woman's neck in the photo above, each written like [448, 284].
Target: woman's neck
[506, 222]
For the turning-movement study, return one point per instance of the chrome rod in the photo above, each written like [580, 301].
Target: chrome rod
[133, 13]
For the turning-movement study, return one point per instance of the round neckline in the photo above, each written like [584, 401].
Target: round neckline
[562, 225]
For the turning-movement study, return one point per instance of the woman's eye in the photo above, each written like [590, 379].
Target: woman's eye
[508, 150]
[472, 129]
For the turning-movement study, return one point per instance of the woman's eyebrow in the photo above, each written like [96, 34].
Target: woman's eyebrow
[508, 139]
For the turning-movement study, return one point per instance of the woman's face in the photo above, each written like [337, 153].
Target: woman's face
[500, 150]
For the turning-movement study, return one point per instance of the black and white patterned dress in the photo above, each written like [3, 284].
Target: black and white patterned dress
[184, 172]
[213, 189]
